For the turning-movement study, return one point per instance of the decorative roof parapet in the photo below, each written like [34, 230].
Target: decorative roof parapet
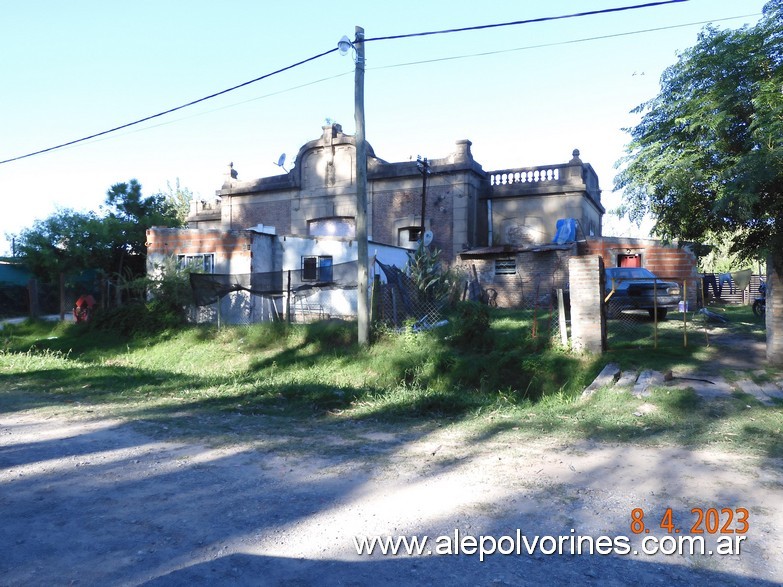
[542, 179]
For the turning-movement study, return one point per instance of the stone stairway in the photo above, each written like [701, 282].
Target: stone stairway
[640, 384]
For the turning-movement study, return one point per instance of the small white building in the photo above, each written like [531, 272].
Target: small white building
[257, 275]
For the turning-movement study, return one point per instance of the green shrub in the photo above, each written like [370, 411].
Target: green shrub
[470, 326]
[138, 318]
[126, 320]
[331, 334]
[168, 296]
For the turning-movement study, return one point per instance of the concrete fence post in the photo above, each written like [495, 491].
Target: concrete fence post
[588, 319]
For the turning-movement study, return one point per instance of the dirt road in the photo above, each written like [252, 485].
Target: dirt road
[93, 501]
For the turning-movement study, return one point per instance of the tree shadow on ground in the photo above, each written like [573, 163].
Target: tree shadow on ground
[111, 504]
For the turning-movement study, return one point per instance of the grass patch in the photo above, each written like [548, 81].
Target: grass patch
[512, 382]
[684, 334]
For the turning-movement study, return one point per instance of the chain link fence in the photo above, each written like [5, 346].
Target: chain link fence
[540, 308]
[397, 302]
[649, 314]
[304, 295]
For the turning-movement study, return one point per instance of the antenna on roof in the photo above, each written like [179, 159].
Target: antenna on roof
[281, 162]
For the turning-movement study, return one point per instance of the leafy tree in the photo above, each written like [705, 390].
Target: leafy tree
[58, 245]
[129, 215]
[113, 243]
[706, 159]
[179, 198]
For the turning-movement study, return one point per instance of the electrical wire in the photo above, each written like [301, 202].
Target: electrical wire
[558, 43]
[448, 58]
[235, 104]
[170, 110]
[319, 55]
[527, 21]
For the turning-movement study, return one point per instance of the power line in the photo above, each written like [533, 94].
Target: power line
[527, 21]
[170, 110]
[559, 43]
[449, 58]
[240, 103]
[319, 55]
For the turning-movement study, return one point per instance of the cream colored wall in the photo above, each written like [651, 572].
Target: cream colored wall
[533, 219]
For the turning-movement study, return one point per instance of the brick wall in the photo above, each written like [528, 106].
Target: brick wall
[388, 205]
[667, 262]
[538, 275]
[395, 209]
[588, 322]
[231, 248]
[272, 213]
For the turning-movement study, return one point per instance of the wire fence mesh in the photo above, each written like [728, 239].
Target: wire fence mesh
[317, 292]
[396, 302]
[648, 315]
[658, 313]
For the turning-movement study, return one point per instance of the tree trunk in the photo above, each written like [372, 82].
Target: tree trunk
[32, 293]
[774, 314]
[118, 290]
[62, 296]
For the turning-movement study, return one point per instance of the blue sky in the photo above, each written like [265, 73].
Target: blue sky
[524, 95]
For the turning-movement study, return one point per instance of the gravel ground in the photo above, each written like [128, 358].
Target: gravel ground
[87, 500]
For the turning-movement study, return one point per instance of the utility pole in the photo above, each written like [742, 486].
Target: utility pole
[362, 306]
[424, 169]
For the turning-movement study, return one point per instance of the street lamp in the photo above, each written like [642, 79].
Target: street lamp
[344, 45]
[362, 306]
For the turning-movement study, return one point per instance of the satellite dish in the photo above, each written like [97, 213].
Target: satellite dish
[281, 162]
[428, 236]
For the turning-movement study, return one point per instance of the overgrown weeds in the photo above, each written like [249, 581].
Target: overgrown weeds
[485, 370]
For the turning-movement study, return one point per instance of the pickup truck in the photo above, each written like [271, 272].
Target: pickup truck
[637, 288]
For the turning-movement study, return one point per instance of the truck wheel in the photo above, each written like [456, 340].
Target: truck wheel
[661, 313]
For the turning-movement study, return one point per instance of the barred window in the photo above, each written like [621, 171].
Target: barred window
[505, 266]
[309, 268]
[203, 263]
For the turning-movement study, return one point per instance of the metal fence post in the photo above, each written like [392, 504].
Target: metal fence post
[655, 313]
[288, 299]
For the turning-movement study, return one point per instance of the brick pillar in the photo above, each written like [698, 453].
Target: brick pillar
[588, 321]
[774, 315]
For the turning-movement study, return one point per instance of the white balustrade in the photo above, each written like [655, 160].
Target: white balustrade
[524, 175]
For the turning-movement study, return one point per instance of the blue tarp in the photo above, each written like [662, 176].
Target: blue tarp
[565, 231]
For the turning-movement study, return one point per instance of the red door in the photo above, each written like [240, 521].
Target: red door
[629, 260]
